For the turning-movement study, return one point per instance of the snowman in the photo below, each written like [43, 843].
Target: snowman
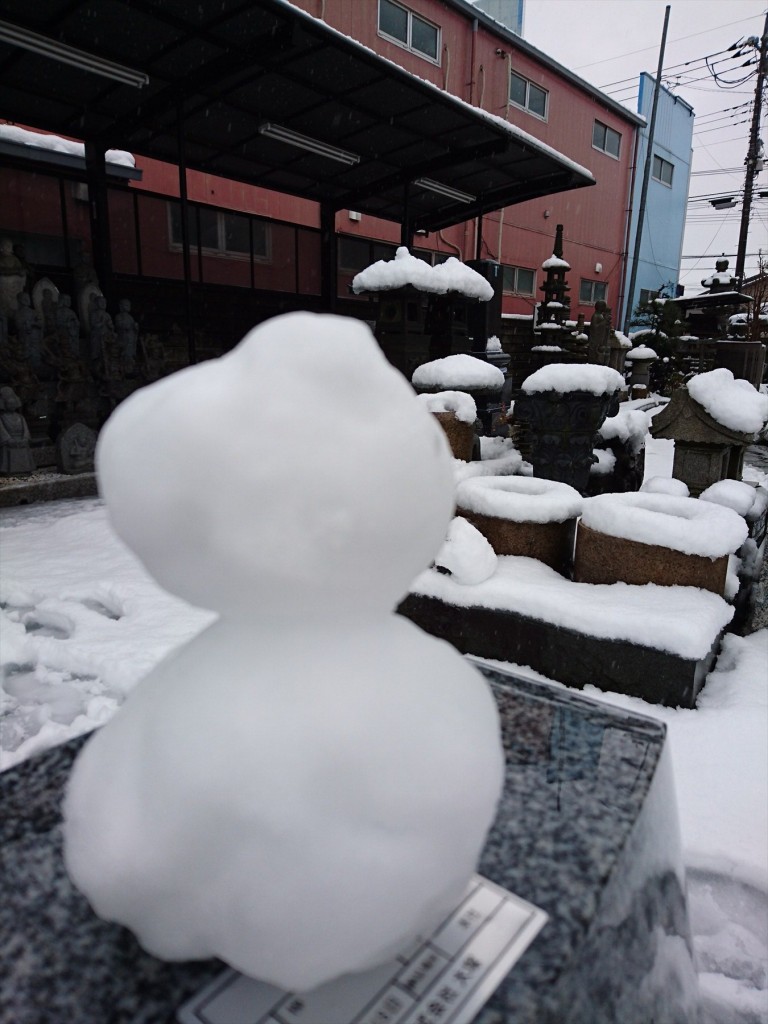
[304, 788]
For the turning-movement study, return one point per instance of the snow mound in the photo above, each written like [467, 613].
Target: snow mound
[605, 464]
[731, 401]
[641, 352]
[459, 403]
[507, 462]
[682, 524]
[519, 499]
[406, 269]
[731, 494]
[565, 377]
[555, 263]
[466, 554]
[630, 426]
[456, 373]
[666, 485]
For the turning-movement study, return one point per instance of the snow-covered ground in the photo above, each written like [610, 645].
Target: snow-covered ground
[82, 622]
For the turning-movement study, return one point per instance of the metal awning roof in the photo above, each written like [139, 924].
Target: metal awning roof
[220, 71]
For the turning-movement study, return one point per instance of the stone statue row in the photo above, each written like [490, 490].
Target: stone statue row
[47, 327]
[66, 358]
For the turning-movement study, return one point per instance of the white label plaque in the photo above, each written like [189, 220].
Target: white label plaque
[444, 980]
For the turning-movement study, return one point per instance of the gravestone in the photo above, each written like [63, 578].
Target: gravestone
[74, 449]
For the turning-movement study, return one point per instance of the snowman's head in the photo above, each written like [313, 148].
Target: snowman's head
[297, 473]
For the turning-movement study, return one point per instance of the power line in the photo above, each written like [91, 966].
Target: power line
[645, 49]
[718, 170]
[671, 67]
[720, 127]
[725, 255]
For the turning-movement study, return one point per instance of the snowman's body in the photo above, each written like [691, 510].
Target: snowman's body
[306, 786]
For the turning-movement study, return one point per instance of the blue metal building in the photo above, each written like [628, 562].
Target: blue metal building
[664, 221]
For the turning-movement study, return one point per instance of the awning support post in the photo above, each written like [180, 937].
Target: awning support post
[184, 207]
[328, 257]
[98, 209]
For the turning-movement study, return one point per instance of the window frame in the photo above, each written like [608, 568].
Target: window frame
[594, 298]
[377, 250]
[606, 129]
[662, 164]
[220, 251]
[408, 43]
[515, 290]
[526, 106]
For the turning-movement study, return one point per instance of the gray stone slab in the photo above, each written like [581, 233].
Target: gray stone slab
[586, 829]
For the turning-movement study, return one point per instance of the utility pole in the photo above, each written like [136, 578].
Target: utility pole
[646, 174]
[752, 155]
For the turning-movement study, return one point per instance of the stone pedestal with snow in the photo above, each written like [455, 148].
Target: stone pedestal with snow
[524, 516]
[422, 310]
[656, 538]
[306, 786]
[479, 379]
[563, 406]
[640, 359]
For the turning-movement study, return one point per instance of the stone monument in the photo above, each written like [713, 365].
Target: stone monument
[600, 332]
[102, 331]
[74, 449]
[127, 331]
[563, 405]
[20, 252]
[16, 457]
[12, 277]
[29, 331]
[705, 450]
[67, 328]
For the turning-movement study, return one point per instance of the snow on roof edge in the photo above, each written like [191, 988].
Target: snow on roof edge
[499, 122]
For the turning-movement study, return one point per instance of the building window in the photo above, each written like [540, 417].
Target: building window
[431, 257]
[518, 280]
[591, 291]
[409, 30]
[606, 139]
[663, 170]
[355, 254]
[219, 233]
[528, 96]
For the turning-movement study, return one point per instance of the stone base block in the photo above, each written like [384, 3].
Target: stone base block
[52, 487]
[566, 655]
[460, 435]
[601, 558]
[551, 543]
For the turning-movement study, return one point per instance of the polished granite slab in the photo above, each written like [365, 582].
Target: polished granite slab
[586, 829]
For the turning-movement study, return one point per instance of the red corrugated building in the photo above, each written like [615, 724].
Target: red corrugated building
[490, 67]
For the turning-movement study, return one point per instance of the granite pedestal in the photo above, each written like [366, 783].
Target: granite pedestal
[586, 829]
[567, 655]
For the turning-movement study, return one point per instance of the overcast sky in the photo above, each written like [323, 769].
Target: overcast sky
[609, 41]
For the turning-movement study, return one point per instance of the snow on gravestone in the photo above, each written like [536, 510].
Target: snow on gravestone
[306, 786]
